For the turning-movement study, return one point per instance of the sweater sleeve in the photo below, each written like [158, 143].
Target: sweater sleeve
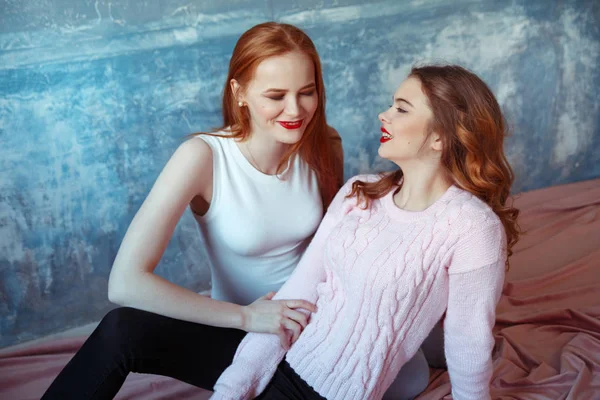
[258, 355]
[476, 276]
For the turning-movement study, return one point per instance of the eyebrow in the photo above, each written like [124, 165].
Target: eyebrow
[399, 99]
[310, 85]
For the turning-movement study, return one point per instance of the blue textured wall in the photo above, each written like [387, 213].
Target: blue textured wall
[95, 96]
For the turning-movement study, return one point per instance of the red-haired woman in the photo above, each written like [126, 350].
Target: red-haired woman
[396, 252]
[257, 187]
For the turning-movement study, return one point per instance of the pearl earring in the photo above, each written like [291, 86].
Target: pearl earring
[241, 104]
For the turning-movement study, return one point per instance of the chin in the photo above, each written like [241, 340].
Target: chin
[382, 153]
[290, 137]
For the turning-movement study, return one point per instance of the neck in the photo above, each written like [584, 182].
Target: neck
[422, 186]
[264, 153]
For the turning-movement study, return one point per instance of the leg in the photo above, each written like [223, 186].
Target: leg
[412, 379]
[433, 347]
[288, 385]
[131, 340]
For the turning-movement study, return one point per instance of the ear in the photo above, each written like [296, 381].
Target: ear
[236, 90]
[436, 142]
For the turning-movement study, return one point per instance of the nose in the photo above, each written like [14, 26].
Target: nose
[292, 106]
[382, 117]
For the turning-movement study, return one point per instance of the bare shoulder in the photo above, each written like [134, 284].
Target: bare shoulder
[189, 169]
[193, 160]
[194, 152]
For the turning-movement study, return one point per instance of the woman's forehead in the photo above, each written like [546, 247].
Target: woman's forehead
[289, 71]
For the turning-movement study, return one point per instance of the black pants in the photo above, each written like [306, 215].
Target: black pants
[286, 384]
[131, 340]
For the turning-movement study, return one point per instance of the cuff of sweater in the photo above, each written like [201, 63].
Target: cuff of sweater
[454, 396]
[244, 379]
[471, 395]
[221, 396]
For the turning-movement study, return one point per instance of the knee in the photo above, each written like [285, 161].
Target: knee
[118, 318]
[433, 347]
[412, 379]
[118, 326]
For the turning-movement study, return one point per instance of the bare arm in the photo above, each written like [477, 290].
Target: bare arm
[132, 281]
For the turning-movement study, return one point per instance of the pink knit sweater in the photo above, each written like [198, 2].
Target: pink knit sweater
[381, 279]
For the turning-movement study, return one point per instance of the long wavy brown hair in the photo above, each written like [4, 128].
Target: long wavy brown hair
[267, 40]
[472, 128]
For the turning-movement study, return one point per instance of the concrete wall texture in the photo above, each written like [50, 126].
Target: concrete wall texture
[96, 95]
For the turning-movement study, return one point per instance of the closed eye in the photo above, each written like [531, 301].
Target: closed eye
[278, 98]
[400, 110]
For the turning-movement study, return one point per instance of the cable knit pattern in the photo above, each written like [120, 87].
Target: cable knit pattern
[381, 279]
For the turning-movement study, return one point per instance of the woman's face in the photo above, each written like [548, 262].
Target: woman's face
[404, 126]
[282, 97]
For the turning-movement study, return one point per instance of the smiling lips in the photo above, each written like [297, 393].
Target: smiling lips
[385, 135]
[291, 124]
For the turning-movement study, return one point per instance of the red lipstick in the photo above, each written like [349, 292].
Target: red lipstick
[291, 124]
[386, 136]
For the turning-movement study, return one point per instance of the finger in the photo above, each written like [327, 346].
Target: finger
[308, 306]
[283, 338]
[297, 316]
[293, 327]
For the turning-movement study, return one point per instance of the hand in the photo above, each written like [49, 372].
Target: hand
[278, 317]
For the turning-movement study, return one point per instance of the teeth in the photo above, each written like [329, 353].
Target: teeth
[386, 135]
[292, 123]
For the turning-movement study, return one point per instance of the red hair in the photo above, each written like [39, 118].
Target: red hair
[272, 39]
[472, 128]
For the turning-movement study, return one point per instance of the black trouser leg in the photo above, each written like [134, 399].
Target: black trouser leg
[288, 385]
[131, 340]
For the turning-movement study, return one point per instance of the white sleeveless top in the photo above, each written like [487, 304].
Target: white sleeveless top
[257, 226]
